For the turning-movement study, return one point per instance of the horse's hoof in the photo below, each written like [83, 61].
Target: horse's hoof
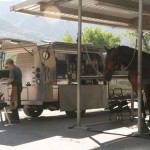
[121, 118]
[118, 118]
[148, 122]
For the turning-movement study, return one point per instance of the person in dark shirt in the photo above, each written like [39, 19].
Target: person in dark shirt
[15, 79]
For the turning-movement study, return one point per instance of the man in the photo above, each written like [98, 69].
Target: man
[15, 79]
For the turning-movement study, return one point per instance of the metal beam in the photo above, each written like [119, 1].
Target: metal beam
[125, 4]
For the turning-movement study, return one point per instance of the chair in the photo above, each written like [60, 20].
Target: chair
[117, 102]
[3, 108]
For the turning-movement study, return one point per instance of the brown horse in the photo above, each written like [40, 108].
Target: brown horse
[128, 57]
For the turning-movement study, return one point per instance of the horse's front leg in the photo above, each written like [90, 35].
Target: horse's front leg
[133, 81]
[143, 105]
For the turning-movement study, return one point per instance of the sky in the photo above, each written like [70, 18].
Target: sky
[5, 8]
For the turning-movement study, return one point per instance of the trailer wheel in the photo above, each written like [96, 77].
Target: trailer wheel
[73, 114]
[32, 111]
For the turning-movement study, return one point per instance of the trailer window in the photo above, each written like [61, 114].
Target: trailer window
[61, 69]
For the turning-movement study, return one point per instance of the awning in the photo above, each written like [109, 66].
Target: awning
[118, 13]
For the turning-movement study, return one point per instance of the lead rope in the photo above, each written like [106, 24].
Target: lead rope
[146, 46]
[97, 71]
[132, 58]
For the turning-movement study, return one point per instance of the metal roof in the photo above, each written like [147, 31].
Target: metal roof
[71, 48]
[120, 13]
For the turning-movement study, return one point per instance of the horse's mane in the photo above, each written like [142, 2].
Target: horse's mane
[127, 50]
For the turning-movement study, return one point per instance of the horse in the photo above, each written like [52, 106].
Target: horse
[128, 57]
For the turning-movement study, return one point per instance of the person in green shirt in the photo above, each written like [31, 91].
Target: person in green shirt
[15, 80]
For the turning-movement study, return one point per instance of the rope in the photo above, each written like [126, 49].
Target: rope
[25, 49]
[146, 46]
[132, 57]
[130, 62]
[98, 73]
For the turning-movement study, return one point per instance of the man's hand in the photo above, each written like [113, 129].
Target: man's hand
[9, 81]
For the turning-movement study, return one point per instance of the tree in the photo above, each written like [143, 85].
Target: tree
[132, 37]
[67, 38]
[96, 36]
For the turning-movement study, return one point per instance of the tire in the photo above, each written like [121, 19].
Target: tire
[73, 114]
[32, 111]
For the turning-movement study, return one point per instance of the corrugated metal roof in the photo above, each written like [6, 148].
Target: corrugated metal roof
[121, 13]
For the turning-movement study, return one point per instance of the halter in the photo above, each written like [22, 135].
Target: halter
[128, 64]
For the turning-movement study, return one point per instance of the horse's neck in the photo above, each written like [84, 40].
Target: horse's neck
[127, 60]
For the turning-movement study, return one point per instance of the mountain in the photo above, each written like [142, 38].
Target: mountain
[35, 28]
[17, 25]
[8, 29]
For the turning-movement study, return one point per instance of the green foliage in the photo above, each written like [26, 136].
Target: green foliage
[8, 56]
[11, 56]
[147, 39]
[98, 37]
[132, 37]
[67, 38]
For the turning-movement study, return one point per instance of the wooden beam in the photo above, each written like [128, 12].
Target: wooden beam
[73, 11]
[146, 22]
[24, 5]
[75, 19]
[125, 4]
[52, 3]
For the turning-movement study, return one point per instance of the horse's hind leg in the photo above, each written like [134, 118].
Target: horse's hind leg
[147, 94]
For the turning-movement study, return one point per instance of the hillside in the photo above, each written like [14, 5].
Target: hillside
[34, 28]
[17, 25]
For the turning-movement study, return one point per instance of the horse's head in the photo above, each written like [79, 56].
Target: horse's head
[111, 63]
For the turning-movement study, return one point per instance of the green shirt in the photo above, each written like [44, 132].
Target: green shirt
[15, 74]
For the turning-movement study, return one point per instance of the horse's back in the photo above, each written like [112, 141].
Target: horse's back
[130, 52]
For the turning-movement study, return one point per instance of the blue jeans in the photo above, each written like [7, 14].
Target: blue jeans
[15, 114]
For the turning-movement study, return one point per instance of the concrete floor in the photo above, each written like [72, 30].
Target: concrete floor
[53, 131]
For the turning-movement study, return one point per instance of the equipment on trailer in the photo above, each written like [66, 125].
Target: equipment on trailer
[50, 76]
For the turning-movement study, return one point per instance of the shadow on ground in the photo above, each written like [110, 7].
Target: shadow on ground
[35, 129]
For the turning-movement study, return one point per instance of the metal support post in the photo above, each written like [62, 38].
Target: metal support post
[140, 26]
[79, 62]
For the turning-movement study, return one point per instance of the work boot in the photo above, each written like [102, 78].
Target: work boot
[15, 121]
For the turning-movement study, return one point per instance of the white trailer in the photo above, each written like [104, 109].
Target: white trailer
[49, 76]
